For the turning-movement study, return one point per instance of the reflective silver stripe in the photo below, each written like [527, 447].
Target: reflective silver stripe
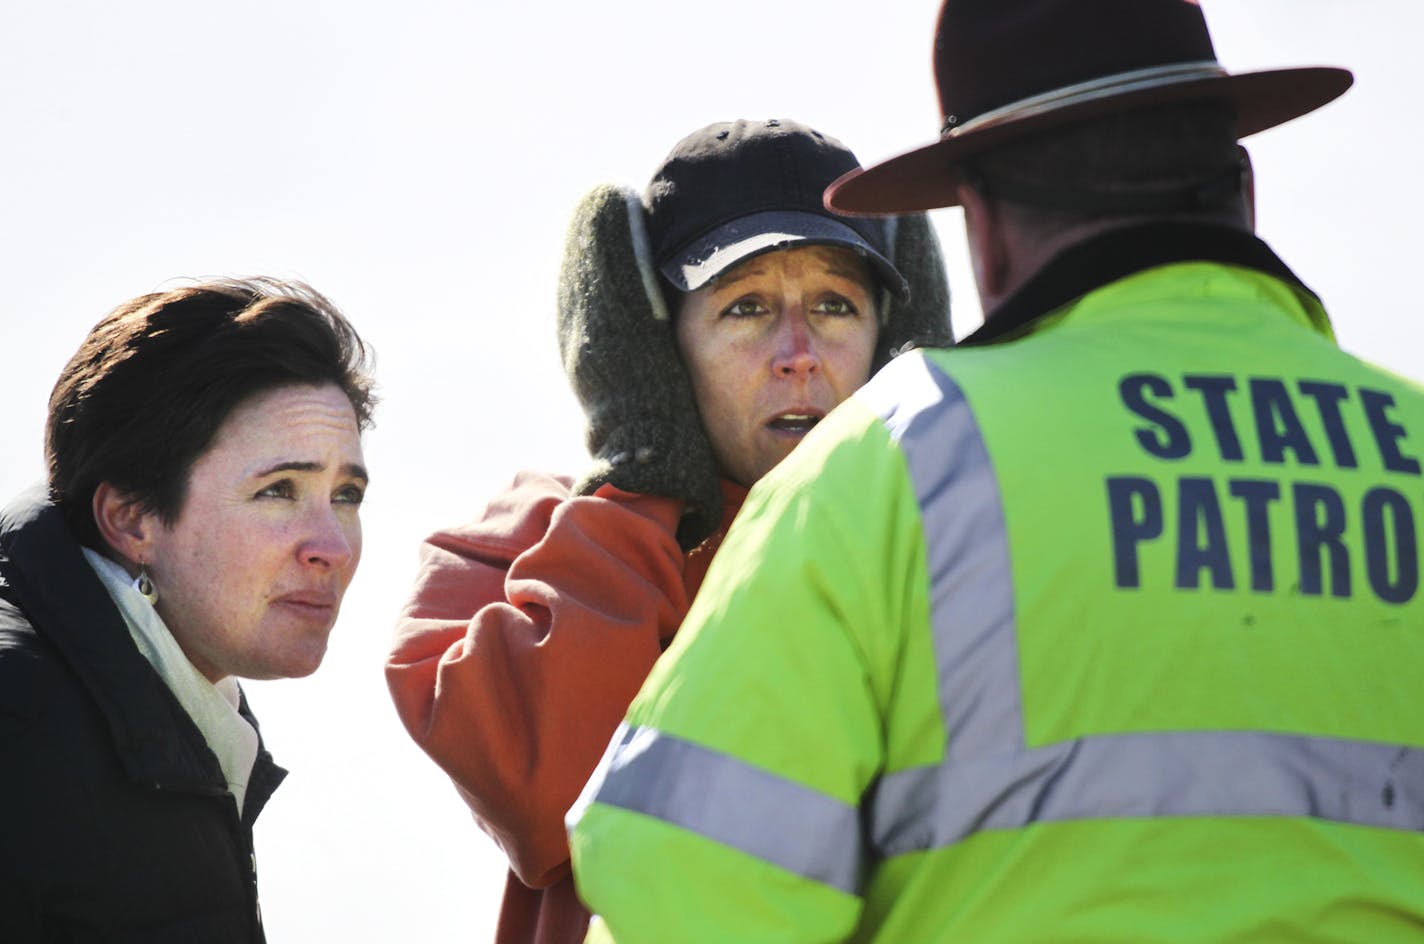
[736, 804]
[989, 780]
[972, 598]
[967, 554]
[1189, 773]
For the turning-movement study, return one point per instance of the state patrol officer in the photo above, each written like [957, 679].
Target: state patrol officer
[1105, 625]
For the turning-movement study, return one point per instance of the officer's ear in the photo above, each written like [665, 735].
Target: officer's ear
[988, 247]
[1248, 186]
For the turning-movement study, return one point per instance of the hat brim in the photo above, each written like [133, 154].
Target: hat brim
[926, 178]
[758, 233]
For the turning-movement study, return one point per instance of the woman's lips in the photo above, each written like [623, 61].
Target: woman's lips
[794, 422]
[316, 606]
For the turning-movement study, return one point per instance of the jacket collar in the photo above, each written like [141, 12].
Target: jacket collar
[67, 605]
[700, 557]
[1118, 253]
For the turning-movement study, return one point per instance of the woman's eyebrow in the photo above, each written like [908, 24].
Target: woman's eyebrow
[350, 469]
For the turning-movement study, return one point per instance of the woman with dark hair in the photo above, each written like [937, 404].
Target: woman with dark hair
[201, 522]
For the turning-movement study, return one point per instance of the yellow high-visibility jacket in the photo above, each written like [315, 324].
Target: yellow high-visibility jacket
[1109, 631]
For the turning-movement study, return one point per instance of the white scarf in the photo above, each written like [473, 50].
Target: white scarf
[213, 708]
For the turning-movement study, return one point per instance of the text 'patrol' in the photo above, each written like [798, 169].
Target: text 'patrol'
[1330, 486]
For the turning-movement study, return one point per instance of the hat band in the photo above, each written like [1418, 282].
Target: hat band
[1200, 194]
[1105, 87]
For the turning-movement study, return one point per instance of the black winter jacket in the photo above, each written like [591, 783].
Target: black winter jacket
[115, 819]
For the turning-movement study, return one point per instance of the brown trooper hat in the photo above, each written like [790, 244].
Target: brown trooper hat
[1007, 68]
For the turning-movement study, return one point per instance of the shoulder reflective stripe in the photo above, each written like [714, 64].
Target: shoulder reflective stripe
[972, 621]
[736, 804]
[971, 609]
[1187, 773]
[967, 552]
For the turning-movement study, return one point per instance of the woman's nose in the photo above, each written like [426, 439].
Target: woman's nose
[795, 348]
[328, 544]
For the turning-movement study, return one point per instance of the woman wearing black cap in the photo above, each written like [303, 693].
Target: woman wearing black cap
[706, 325]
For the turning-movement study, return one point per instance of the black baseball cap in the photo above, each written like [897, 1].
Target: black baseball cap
[737, 189]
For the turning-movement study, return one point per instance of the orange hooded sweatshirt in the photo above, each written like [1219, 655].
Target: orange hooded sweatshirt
[528, 633]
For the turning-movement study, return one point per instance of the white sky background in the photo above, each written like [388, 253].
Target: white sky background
[418, 163]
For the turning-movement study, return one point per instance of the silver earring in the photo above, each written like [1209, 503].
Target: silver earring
[143, 583]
